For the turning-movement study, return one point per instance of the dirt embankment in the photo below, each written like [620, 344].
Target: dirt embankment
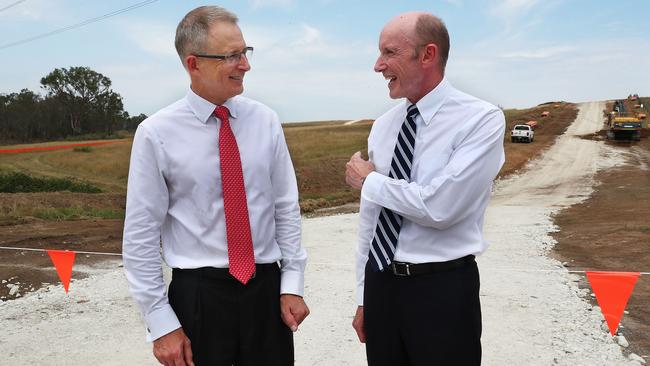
[19, 229]
[610, 231]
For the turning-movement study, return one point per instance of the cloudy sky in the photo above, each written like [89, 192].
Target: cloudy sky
[314, 59]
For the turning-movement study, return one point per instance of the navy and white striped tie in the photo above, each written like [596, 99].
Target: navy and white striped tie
[384, 242]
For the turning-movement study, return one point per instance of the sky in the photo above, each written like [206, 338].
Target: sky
[313, 60]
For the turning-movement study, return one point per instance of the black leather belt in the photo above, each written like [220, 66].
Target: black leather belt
[220, 273]
[413, 269]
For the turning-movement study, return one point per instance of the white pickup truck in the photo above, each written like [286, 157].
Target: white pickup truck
[522, 133]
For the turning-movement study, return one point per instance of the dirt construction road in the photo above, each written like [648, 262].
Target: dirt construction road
[534, 313]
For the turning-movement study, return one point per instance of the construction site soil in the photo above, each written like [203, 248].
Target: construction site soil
[32, 269]
[610, 231]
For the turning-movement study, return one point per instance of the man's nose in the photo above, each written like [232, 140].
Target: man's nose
[379, 65]
[243, 63]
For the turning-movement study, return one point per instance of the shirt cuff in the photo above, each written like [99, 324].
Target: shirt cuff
[292, 282]
[160, 322]
[372, 186]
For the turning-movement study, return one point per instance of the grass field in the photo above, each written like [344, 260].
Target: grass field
[104, 166]
[319, 151]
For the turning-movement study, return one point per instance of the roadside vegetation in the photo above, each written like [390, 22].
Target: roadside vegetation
[319, 151]
[15, 182]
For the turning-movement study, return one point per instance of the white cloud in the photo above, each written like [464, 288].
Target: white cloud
[298, 70]
[310, 36]
[305, 74]
[512, 9]
[519, 17]
[303, 46]
[152, 37]
[587, 71]
[541, 53]
[257, 4]
[147, 87]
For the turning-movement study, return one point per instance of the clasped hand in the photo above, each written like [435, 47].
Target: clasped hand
[357, 169]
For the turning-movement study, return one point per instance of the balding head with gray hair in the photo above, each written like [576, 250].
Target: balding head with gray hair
[192, 31]
[431, 29]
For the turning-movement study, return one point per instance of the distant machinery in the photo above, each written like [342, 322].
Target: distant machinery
[620, 125]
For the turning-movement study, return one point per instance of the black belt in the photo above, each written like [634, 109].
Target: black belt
[217, 273]
[413, 269]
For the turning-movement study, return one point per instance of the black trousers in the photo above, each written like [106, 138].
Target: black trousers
[229, 323]
[423, 320]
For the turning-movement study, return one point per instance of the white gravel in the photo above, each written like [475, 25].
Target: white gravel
[533, 311]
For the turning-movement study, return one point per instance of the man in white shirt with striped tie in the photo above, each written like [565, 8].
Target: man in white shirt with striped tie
[424, 191]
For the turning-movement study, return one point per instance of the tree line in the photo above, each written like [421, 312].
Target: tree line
[78, 101]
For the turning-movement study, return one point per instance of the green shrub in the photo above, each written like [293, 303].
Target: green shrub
[16, 182]
[85, 149]
[76, 213]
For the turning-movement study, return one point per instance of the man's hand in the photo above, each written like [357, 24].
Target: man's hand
[293, 310]
[357, 324]
[173, 349]
[357, 169]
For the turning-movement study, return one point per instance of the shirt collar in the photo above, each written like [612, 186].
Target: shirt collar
[204, 109]
[429, 105]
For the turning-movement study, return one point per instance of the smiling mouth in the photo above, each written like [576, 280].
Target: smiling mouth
[238, 78]
[390, 79]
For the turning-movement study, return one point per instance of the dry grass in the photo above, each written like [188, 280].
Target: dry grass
[105, 166]
[24, 207]
[319, 154]
[319, 151]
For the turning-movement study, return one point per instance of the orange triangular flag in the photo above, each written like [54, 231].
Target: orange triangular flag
[612, 290]
[63, 261]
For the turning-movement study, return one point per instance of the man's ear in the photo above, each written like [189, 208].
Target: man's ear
[429, 55]
[190, 63]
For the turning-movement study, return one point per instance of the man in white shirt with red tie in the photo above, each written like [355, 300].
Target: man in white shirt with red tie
[424, 191]
[212, 183]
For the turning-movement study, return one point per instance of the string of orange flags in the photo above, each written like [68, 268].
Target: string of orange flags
[76, 251]
[612, 289]
[57, 147]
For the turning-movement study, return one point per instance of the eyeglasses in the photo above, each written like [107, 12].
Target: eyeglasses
[232, 58]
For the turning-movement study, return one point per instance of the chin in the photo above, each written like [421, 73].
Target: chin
[394, 94]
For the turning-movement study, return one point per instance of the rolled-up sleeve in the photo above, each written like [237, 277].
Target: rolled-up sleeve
[146, 206]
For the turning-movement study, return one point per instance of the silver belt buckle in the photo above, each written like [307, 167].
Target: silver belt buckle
[399, 272]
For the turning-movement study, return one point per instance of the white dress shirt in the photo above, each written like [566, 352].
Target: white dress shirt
[458, 153]
[174, 198]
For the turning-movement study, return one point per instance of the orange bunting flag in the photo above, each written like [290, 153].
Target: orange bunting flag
[63, 261]
[612, 290]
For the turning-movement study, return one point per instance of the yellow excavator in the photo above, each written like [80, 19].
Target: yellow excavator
[621, 126]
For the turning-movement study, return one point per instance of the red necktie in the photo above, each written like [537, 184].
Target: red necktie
[238, 228]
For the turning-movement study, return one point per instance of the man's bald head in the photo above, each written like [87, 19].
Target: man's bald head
[420, 28]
